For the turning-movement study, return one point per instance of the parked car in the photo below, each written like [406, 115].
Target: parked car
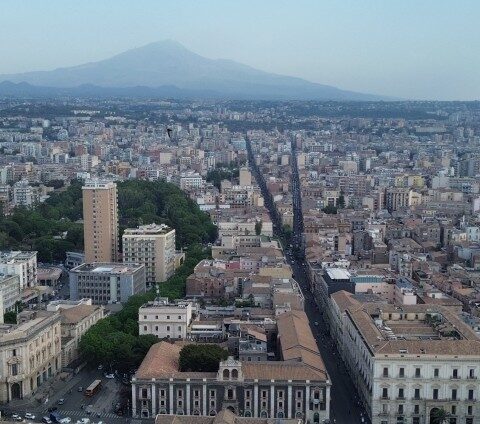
[61, 401]
[80, 388]
[100, 367]
[46, 420]
[66, 420]
[29, 416]
[16, 417]
[109, 375]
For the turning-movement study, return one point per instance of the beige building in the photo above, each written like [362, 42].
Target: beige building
[100, 221]
[29, 353]
[245, 177]
[408, 362]
[153, 246]
[75, 322]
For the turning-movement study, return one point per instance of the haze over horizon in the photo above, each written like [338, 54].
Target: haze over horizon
[406, 49]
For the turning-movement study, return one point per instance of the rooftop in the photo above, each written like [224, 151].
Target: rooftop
[150, 229]
[107, 268]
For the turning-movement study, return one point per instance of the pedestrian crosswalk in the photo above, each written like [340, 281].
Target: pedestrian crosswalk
[80, 414]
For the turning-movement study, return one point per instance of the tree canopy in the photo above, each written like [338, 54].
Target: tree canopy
[54, 227]
[201, 358]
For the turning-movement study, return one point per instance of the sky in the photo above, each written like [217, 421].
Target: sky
[412, 49]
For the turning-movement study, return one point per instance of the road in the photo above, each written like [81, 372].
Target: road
[75, 402]
[344, 406]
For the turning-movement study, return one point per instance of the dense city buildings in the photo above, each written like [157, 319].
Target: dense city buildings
[342, 279]
[100, 221]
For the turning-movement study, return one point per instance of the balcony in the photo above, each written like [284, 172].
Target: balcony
[384, 397]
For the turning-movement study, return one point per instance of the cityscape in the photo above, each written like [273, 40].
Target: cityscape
[188, 240]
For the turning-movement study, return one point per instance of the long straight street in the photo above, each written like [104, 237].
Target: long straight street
[345, 408]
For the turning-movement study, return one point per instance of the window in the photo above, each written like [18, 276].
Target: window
[162, 393]
[196, 393]
[435, 393]
[454, 410]
[416, 409]
[179, 393]
[168, 316]
[179, 317]
[454, 394]
[417, 372]
[144, 328]
[385, 393]
[401, 393]
[299, 393]
[470, 394]
[416, 420]
[436, 372]
[248, 394]
[400, 409]
[385, 372]
[264, 393]
[401, 372]
[14, 369]
[469, 410]
[417, 394]
[455, 373]
[230, 393]
[168, 328]
[212, 393]
[471, 373]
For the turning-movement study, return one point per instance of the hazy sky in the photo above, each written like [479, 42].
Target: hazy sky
[422, 49]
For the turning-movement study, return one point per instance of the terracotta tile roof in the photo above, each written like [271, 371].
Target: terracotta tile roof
[281, 370]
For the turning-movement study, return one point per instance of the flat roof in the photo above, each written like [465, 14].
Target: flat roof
[338, 273]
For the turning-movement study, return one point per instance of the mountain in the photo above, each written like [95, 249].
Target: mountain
[168, 67]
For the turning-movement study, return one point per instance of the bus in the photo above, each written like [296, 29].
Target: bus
[93, 388]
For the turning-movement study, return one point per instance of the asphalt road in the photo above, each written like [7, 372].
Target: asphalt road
[75, 402]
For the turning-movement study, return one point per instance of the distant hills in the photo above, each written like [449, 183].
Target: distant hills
[168, 69]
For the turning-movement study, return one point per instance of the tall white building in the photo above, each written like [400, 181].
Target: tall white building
[25, 195]
[153, 246]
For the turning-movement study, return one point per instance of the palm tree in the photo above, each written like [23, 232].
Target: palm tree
[438, 416]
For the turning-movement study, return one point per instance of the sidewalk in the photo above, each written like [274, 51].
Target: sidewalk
[48, 392]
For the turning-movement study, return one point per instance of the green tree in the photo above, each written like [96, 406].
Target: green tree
[438, 416]
[258, 228]
[341, 201]
[330, 209]
[201, 358]
[10, 317]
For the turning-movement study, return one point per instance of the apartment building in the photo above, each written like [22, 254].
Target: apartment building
[153, 246]
[25, 195]
[408, 362]
[107, 282]
[9, 291]
[21, 263]
[75, 321]
[164, 319]
[100, 221]
[29, 353]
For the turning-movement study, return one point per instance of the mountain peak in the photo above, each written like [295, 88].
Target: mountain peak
[169, 63]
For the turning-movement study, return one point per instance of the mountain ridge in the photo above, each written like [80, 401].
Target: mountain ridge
[169, 64]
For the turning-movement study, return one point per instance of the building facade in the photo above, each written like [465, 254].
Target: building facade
[165, 320]
[9, 291]
[249, 389]
[107, 282]
[100, 221]
[409, 362]
[23, 264]
[153, 246]
[30, 353]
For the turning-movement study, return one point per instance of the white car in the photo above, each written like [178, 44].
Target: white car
[109, 375]
[16, 417]
[29, 416]
[66, 420]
